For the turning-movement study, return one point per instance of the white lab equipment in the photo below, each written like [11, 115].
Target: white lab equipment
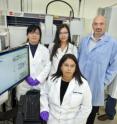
[48, 30]
[76, 30]
[3, 20]
[17, 36]
[4, 40]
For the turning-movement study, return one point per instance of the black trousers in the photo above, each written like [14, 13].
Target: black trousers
[92, 115]
[110, 107]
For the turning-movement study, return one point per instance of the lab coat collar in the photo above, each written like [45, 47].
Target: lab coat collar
[93, 38]
[70, 89]
[71, 86]
[37, 50]
[103, 40]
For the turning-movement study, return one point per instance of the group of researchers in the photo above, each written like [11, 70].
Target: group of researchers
[72, 80]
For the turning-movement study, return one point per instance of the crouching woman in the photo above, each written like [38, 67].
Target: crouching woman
[66, 97]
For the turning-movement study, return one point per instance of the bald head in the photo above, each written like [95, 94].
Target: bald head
[99, 18]
[99, 25]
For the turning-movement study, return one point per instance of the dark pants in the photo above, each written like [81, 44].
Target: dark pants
[110, 107]
[92, 115]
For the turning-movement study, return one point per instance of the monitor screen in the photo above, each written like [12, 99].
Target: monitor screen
[14, 67]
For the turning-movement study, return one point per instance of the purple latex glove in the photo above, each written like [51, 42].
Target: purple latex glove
[37, 82]
[44, 115]
[31, 81]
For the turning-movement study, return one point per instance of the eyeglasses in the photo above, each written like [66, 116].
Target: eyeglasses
[37, 33]
[63, 33]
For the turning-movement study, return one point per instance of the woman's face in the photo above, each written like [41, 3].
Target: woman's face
[34, 37]
[63, 35]
[68, 69]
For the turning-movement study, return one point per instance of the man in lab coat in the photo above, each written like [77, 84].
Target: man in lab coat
[97, 58]
[110, 109]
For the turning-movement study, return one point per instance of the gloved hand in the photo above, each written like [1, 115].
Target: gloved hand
[44, 115]
[37, 82]
[31, 81]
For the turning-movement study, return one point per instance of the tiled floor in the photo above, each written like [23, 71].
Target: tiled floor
[108, 121]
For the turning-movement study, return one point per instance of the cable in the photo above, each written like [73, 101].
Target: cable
[79, 7]
[59, 1]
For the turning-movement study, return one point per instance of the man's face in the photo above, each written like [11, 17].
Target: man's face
[99, 26]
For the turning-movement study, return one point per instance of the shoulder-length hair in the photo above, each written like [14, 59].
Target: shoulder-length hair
[33, 28]
[77, 74]
[57, 42]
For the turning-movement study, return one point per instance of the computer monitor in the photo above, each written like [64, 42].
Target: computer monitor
[14, 67]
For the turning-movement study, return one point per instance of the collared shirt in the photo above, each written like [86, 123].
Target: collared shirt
[94, 41]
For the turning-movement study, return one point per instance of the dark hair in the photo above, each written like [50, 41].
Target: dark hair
[77, 74]
[57, 39]
[33, 28]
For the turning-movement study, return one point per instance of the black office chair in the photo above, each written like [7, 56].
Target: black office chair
[29, 108]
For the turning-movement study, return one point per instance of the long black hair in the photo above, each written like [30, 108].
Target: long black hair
[33, 28]
[57, 42]
[77, 74]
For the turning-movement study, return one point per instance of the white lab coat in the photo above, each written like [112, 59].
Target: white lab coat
[39, 69]
[76, 105]
[112, 88]
[54, 65]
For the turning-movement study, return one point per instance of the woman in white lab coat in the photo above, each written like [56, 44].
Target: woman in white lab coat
[66, 97]
[39, 62]
[62, 45]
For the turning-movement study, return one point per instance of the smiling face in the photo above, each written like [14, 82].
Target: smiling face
[63, 35]
[34, 37]
[99, 25]
[68, 69]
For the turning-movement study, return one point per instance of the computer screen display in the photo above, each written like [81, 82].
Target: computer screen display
[14, 67]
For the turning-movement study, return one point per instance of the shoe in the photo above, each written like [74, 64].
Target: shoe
[104, 117]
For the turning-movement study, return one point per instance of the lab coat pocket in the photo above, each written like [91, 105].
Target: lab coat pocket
[76, 98]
